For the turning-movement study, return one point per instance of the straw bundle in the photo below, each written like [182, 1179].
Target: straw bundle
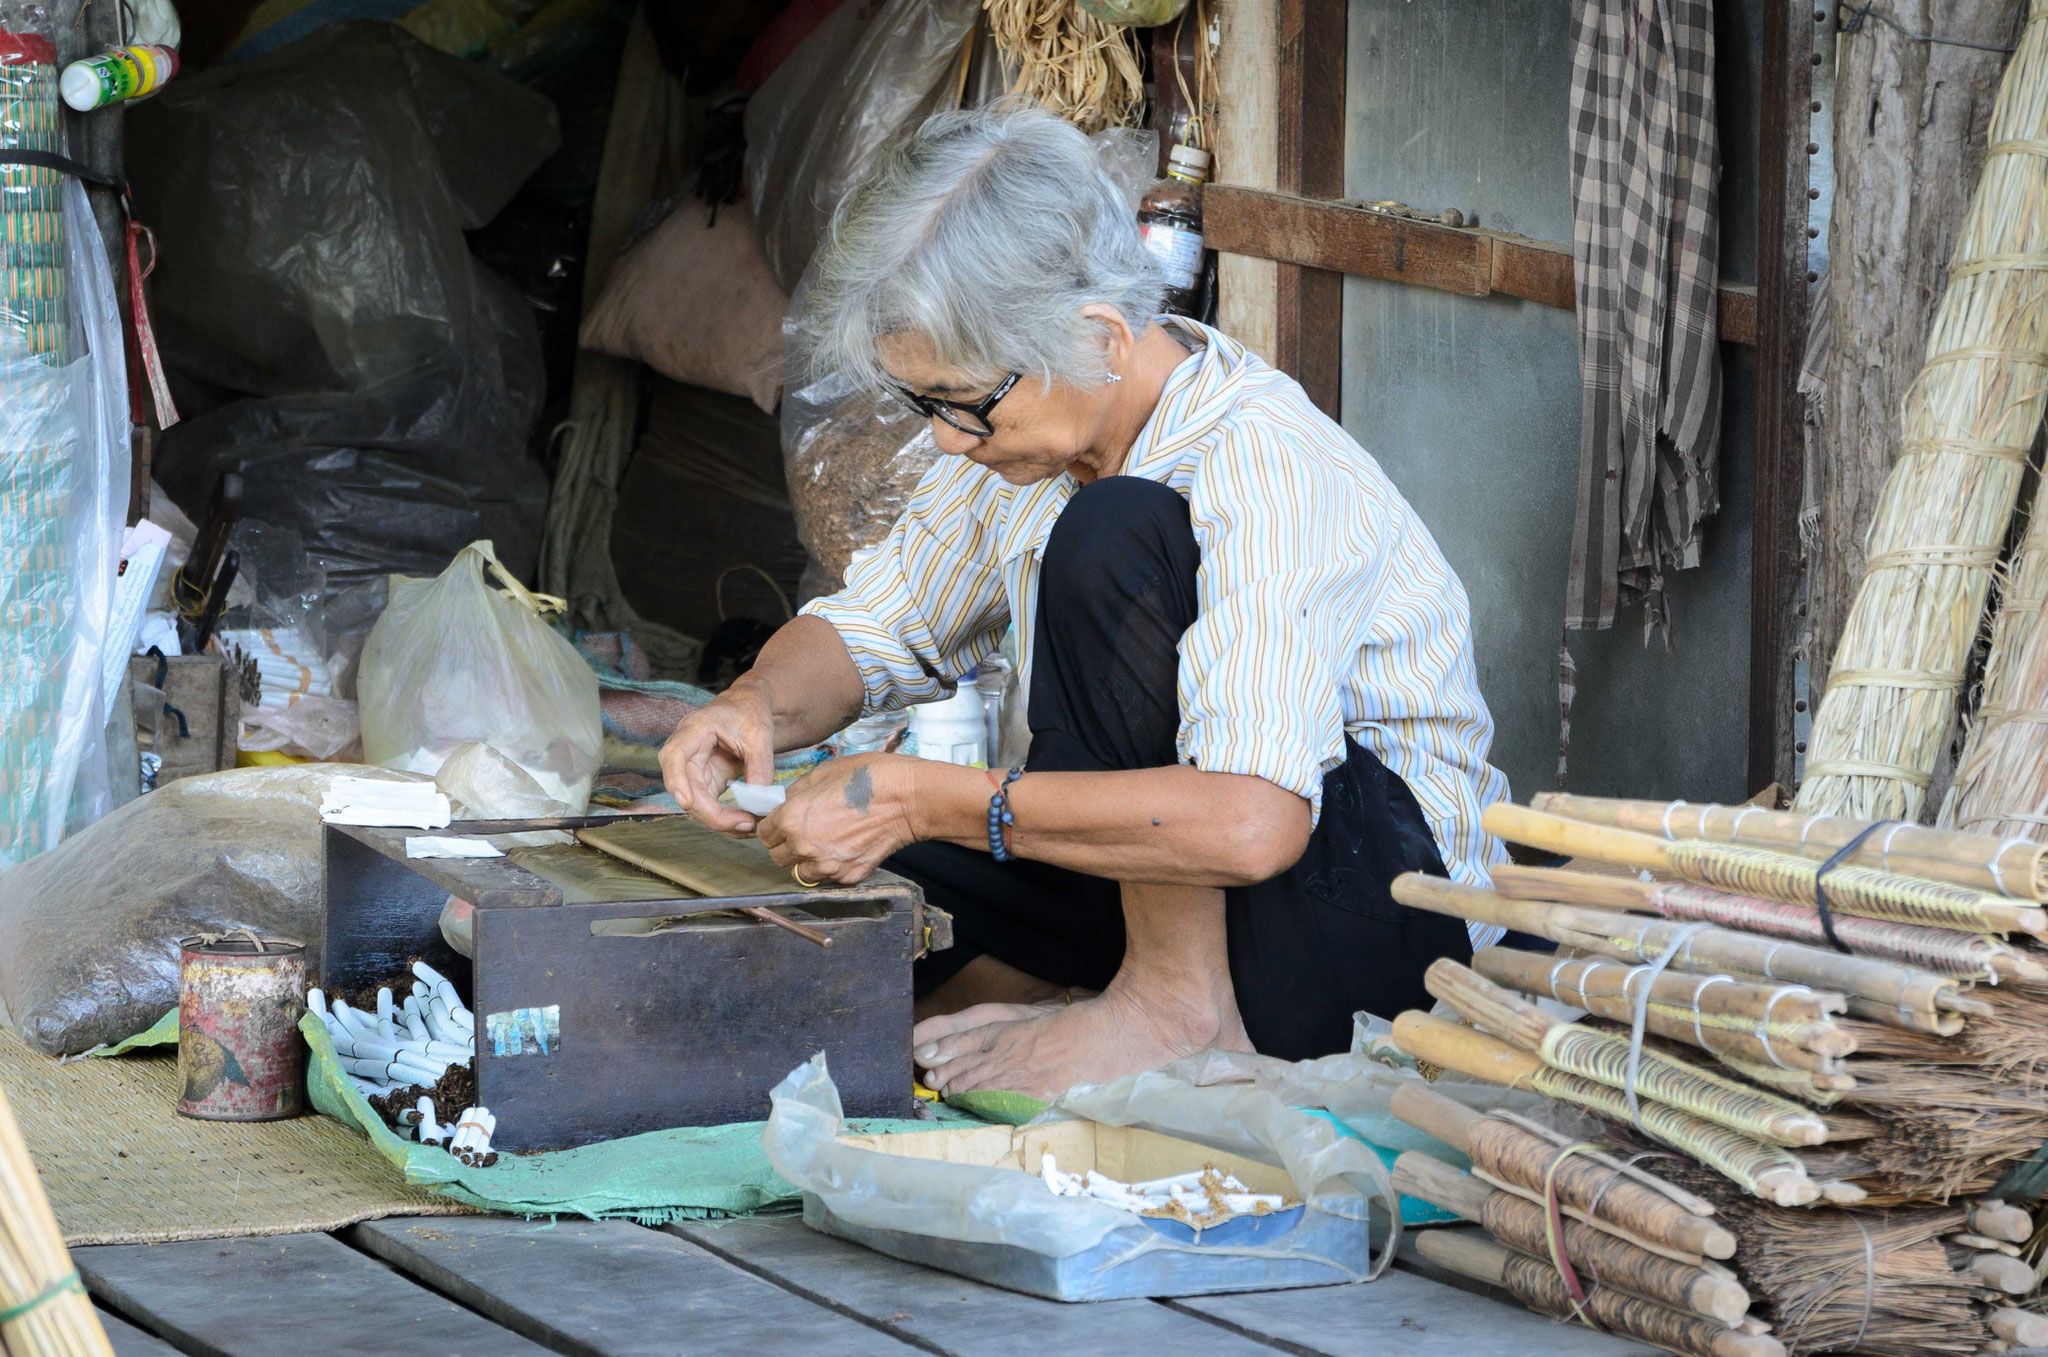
[2001, 782]
[1934, 542]
[46, 1310]
[1081, 68]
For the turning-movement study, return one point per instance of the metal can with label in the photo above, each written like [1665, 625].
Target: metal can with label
[240, 1054]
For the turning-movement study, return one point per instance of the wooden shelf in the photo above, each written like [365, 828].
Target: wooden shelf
[1341, 238]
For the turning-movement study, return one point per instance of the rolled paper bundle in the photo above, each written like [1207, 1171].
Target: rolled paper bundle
[1526, 1161]
[1538, 1286]
[2016, 868]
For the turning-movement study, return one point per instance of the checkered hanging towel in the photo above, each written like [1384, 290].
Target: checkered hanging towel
[1645, 247]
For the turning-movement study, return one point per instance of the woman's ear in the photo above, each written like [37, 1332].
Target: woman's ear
[1117, 339]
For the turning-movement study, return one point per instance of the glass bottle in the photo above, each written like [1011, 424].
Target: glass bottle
[1170, 220]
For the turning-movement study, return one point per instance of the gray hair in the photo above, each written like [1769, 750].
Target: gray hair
[985, 231]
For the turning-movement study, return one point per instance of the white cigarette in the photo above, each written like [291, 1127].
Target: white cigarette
[369, 1088]
[449, 1051]
[384, 1022]
[317, 1002]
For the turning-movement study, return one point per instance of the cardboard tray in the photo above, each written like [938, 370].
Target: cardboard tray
[1320, 1249]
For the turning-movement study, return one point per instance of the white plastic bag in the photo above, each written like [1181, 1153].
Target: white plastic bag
[454, 662]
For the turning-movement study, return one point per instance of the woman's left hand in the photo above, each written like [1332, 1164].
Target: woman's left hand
[844, 817]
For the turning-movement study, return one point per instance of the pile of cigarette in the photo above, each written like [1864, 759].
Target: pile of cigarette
[1204, 1198]
[400, 1045]
[469, 1139]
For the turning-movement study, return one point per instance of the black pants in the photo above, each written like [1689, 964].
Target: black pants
[1309, 947]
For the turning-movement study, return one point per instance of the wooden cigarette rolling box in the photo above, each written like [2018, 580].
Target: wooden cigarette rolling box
[601, 1018]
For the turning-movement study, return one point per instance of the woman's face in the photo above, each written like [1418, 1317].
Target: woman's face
[1037, 431]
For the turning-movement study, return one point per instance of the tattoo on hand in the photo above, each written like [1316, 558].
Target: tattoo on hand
[860, 791]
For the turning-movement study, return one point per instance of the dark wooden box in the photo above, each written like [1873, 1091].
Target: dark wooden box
[656, 1018]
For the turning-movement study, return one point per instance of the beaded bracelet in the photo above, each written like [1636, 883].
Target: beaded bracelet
[999, 816]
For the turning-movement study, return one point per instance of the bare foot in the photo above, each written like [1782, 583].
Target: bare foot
[1043, 1051]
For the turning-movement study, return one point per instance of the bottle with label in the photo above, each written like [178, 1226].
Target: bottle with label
[1170, 220]
[133, 72]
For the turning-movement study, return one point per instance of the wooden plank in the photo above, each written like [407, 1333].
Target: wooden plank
[1783, 175]
[949, 1314]
[1309, 302]
[285, 1293]
[1401, 1313]
[612, 1289]
[129, 1341]
[1247, 155]
[1348, 238]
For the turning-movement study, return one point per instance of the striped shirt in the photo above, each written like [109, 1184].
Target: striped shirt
[1324, 605]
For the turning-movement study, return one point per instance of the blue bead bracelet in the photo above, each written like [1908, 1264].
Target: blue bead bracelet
[1000, 818]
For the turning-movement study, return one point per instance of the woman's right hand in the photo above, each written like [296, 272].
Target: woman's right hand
[732, 736]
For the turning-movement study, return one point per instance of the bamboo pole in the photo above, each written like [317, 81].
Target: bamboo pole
[1767, 1171]
[2010, 867]
[1520, 1224]
[1604, 988]
[1603, 1058]
[1541, 1289]
[53, 1316]
[1917, 1000]
[1596, 1192]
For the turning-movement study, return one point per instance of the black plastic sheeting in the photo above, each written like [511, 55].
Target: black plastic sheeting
[373, 382]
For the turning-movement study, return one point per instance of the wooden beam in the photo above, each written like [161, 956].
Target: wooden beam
[1342, 238]
[1783, 176]
[1309, 302]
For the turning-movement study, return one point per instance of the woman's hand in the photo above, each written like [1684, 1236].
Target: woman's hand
[731, 736]
[844, 817]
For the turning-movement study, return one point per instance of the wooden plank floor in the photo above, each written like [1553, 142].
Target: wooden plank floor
[491, 1286]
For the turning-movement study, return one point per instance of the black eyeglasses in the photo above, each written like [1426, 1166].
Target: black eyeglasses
[959, 413]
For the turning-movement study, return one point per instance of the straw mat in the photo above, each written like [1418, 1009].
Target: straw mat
[122, 1167]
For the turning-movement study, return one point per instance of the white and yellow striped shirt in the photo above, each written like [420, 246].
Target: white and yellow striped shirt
[1325, 607]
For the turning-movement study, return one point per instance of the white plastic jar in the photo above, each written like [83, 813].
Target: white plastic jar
[951, 730]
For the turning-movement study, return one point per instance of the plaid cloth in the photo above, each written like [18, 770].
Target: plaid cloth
[1645, 245]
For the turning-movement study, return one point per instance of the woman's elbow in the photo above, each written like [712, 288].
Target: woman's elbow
[1269, 837]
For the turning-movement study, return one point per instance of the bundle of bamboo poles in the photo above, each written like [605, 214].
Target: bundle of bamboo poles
[2001, 781]
[44, 1311]
[1890, 1051]
[1942, 517]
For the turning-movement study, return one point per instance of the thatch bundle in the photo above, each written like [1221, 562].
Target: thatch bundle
[1968, 422]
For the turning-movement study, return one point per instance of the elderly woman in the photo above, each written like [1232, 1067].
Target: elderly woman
[1248, 668]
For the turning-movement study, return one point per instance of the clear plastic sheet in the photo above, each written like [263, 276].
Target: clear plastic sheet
[863, 76]
[380, 386]
[454, 662]
[89, 930]
[1332, 1174]
[63, 423]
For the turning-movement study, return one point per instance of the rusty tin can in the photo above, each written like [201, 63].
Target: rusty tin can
[240, 1055]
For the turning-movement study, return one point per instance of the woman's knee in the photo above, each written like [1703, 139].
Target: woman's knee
[1118, 526]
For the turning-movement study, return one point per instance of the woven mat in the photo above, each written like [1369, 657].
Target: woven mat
[122, 1167]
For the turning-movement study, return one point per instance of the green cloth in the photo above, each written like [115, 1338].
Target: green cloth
[691, 1173]
[997, 1105]
[162, 1032]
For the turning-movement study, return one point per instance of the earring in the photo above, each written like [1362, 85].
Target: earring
[1113, 377]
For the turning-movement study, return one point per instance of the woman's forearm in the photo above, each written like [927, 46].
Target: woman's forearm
[809, 681]
[1177, 826]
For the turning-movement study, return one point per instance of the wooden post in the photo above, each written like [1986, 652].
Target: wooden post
[1309, 303]
[1909, 148]
[1781, 286]
[1248, 155]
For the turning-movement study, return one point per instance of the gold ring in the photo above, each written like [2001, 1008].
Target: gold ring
[798, 873]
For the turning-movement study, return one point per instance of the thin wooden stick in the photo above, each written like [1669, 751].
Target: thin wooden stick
[37, 1278]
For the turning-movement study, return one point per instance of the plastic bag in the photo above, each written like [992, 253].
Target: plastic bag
[89, 931]
[63, 467]
[317, 727]
[1331, 1174]
[866, 74]
[851, 456]
[1130, 157]
[1134, 13]
[381, 385]
[454, 662]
